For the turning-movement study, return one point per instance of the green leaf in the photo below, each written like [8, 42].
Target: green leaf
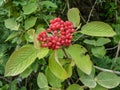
[99, 42]
[48, 4]
[73, 16]
[97, 28]
[80, 57]
[87, 80]
[30, 8]
[102, 41]
[90, 42]
[98, 51]
[20, 60]
[52, 79]
[42, 81]
[1, 2]
[98, 87]
[46, 88]
[1, 84]
[74, 87]
[26, 73]
[30, 22]
[5, 87]
[108, 80]
[56, 67]
[42, 52]
[13, 85]
[12, 35]
[11, 24]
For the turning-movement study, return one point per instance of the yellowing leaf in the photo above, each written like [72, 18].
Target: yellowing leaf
[56, 67]
[73, 16]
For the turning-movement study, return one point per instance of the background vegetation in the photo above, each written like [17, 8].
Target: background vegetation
[22, 20]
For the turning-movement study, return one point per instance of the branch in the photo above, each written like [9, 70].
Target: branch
[107, 70]
[1, 77]
[91, 11]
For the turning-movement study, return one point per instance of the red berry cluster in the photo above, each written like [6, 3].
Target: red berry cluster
[58, 34]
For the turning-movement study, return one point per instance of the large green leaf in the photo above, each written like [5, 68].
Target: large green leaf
[80, 57]
[11, 24]
[87, 80]
[30, 8]
[42, 80]
[56, 67]
[22, 59]
[30, 22]
[74, 87]
[108, 80]
[52, 79]
[73, 16]
[97, 28]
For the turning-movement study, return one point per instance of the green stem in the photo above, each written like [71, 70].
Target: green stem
[66, 56]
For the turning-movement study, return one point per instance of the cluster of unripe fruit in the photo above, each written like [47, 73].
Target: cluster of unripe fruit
[59, 34]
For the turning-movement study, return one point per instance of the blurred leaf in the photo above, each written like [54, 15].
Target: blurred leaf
[97, 28]
[12, 35]
[98, 51]
[11, 24]
[40, 28]
[30, 22]
[30, 8]
[1, 83]
[48, 4]
[29, 36]
[23, 88]
[80, 57]
[73, 16]
[74, 87]
[108, 80]
[1, 2]
[13, 85]
[42, 80]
